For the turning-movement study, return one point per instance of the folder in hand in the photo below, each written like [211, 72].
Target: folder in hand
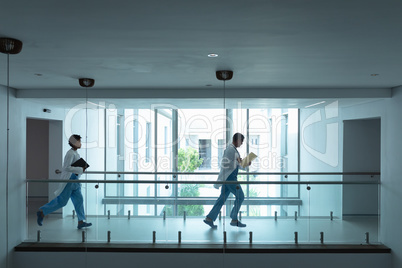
[249, 158]
[80, 163]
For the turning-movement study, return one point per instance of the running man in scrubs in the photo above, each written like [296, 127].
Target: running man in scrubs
[68, 190]
[229, 167]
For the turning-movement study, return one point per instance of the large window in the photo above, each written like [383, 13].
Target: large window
[148, 142]
[191, 141]
[205, 153]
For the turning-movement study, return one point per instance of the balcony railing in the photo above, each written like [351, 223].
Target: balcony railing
[302, 207]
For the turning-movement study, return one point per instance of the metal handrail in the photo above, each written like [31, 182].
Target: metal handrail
[240, 173]
[203, 182]
[216, 182]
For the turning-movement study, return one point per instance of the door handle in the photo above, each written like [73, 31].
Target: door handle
[57, 171]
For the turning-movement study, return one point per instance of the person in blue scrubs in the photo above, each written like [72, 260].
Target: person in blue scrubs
[230, 165]
[68, 190]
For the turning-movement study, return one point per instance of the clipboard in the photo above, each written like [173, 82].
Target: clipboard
[249, 158]
[80, 163]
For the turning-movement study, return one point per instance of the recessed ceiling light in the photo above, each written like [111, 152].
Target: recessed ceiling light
[374, 74]
[212, 55]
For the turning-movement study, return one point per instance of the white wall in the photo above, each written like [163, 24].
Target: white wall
[391, 170]
[19, 111]
[3, 166]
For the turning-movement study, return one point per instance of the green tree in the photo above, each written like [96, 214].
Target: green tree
[188, 161]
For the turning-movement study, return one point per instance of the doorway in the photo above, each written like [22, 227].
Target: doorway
[44, 153]
[361, 153]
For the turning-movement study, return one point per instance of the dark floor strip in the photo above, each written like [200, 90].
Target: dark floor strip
[200, 248]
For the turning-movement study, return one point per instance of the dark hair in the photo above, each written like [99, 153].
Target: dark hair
[77, 137]
[238, 136]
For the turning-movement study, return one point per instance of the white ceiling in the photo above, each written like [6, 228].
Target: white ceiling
[160, 44]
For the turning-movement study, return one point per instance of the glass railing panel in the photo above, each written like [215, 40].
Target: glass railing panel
[58, 226]
[328, 207]
[193, 203]
[125, 219]
[200, 190]
[344, 213]
[325, 207]
[33, 203]
[264, 216]
[196, 201]
[273, 218]
[320, 177]
[166, 208]
[365, 208]
[271, 186]
[237, 196]
[92, 194]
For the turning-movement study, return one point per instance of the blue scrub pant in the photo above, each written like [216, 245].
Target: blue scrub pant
[225, 192]
[71, 190]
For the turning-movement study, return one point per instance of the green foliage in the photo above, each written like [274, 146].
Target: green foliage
[188, 160]
[190, 190]
[242, 177]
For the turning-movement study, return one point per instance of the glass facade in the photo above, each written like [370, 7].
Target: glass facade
[163, 141]
[154, 169]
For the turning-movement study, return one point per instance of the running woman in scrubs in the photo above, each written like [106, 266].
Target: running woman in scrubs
[68, 190]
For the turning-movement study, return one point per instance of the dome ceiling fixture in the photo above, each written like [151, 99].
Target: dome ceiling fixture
[86, 82]
[224, 75]
[10, 45]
